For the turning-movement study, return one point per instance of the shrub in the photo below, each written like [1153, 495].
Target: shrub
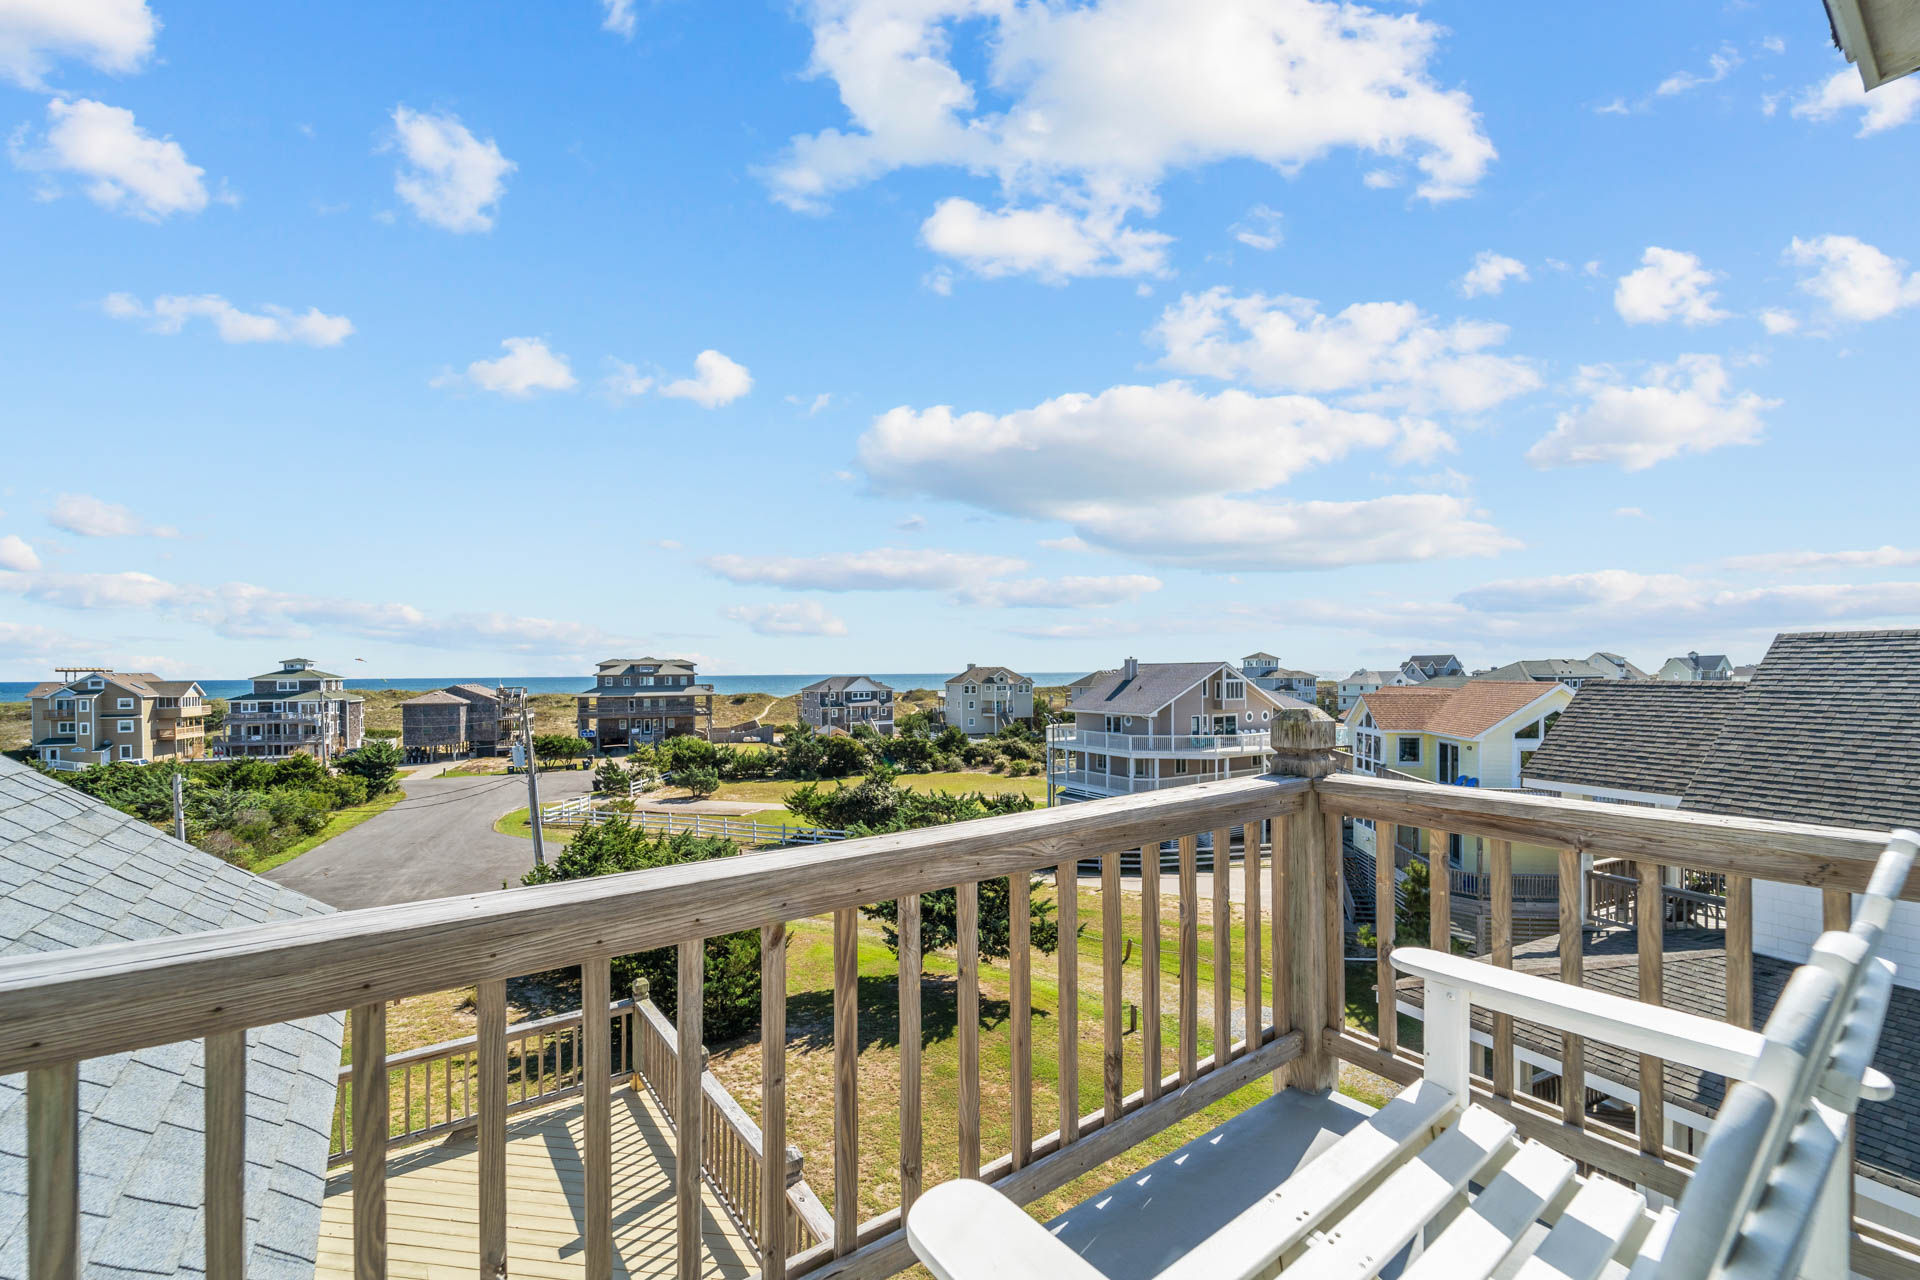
[377, 764]
[700, 780]
[611, 777]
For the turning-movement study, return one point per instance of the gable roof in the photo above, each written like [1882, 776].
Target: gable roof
[840, 684]
[438, 697]
[1828, 730]
[1544, 669]
[979, 674]
[1370, 676]
[1456, 711]
[1262, 654]
[474, 692]
[76, 873]
[1638, 735]
[1157, 684]
[298, 673]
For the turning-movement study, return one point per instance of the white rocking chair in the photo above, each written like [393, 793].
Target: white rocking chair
[1770, 1196]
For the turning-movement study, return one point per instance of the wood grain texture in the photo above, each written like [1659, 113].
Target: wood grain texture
[1500, 871]
[1573, 1053]
[1384, 923]
[1223, 947]
[1306, 931]
[596, 1150]
[1020, 1018]
[1152, 1061]
[1332, 852]
[134, 994]
[53, 1172]
[846, 1080]
[967, 922]
[1650, 917]
[1189, 917]
[1112, 953]
[225, 1163]
[1280, 960]
[1067, 915]
[1836, 910]
[490, 1047]
[1439, 894]
[688, 1113]
[773, 1101]
[1740, 950]
[908, 915]
[370, 1116]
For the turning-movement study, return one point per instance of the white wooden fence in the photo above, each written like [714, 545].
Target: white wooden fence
[581, 812]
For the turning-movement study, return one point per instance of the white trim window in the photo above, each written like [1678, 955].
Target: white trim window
[126, 726]
[126, 751]
[126, 704]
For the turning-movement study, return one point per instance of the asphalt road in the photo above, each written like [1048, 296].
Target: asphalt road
[437, 843]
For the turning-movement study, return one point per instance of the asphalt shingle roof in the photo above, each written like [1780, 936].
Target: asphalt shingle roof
[75, 873]
[1157, 684]
[1458, 711]
[1637, 735]
[1827, 731]
[840, 684]
[988, 675]
[1543, 669]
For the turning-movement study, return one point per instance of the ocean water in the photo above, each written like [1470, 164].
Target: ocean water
[778, 686]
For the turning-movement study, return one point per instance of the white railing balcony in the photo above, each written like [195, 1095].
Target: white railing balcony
[1066, 737]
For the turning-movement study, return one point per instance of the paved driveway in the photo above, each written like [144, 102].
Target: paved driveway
[436, 843]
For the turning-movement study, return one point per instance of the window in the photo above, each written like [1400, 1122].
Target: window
[126, 751]
[1235, 691]
[282, 686]
[1179, 766]
[626, 680]
[85, 704]
[971, 688]
[969, 722]
[1409, 751]
[96, 683]
[65, 726]
[970, 707]
[126, 704]
[126, 726]
[605, 681]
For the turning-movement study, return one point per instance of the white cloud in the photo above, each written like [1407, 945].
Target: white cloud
[620, 17]
[1614, 107]
[912, 524]
[1058, 593]
[1719, 65]
[1855, 280]
[1049, 242]
[797, 618]
[1669, 285]
[15, 554]
[1778, 320]
[882, 569]
[1623, 597]
[1068, 543]
[451, 178]
[1891, 105]
[1260, 229]
[1629, 513]
[624, 382]
[716, 381]
[527, 367]
[1382, 353]
[820, 402]
[123, 167]
[170, 313]
[92, 518]
[1093, 105]
[1685, 407]
[1804, 561]
[109, 35]
[1490, 272]
[1774, 44]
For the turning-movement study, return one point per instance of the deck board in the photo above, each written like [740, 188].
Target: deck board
[433, 1198]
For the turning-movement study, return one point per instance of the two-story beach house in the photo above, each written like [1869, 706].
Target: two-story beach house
[1150, 725]
[985, 700]
[297, 709]
[1265, 670]
[95, 716]
[1697, 666]
[644, 700]
[841, 702]
[1572, 672]
[461, 719]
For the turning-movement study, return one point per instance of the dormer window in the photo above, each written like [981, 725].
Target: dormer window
[96, 683]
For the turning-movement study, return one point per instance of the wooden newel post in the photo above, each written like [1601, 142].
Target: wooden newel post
[1309, 916]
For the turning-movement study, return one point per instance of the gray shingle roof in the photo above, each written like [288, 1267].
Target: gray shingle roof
[1828, 731]
[840, 684]
[1157, 684]
[1636, 735]
[1550, 669]
[76, 873]
[979, 674]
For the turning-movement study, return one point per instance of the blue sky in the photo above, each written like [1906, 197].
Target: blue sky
[892, 335]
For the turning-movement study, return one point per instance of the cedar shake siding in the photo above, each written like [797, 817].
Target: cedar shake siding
[297, 709]
[635, 700]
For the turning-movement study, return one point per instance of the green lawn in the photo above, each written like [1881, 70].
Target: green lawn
[1034, 787]
[343, 820]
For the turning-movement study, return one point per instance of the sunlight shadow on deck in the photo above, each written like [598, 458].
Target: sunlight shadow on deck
[433, 1194]
[1137, 1228]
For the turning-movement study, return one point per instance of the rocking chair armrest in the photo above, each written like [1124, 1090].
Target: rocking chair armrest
[965, 1230]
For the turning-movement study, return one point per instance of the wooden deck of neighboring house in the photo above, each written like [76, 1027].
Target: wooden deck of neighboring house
[433, 1203]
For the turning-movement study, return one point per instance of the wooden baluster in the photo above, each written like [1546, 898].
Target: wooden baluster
[1836, 910]
[1440, 894]
[909, 932]
[370, 1119]
[846, 1081]
[596, 1069]
[1652, 1111]
[225, 1163]
[1251, 962]
[1740, 950]
[1573, 1055]
[490, 1046]
[1020, 994]
[1152, 1066]
[1112, 991]
[53, 1172]
[1384, 919]
[690, 1145]
[967, 923]
[1280, 959]
[1189, 1028]
[1066, 880]
[1500, 860]
[1333, 847]
[1222, 948]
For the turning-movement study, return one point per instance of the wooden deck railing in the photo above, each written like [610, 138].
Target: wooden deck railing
[734, 1148]
[1286, 973]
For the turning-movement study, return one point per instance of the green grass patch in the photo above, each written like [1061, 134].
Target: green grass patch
[342, 821]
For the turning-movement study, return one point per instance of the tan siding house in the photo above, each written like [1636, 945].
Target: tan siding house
[96, 716]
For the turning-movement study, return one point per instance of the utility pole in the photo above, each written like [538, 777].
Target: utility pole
[179, 807]
[533, 787]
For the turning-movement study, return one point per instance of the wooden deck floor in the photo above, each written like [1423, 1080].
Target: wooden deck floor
[433, 1193]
